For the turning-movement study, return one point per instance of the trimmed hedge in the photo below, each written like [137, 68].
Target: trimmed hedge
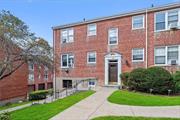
[38, 95]
[158, 79]
[5, 116]
[138, 79]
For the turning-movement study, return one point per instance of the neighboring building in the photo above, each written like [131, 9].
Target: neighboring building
[40, 77]
[103, 48]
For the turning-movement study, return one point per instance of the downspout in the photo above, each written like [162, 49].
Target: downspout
[54, 66]
[146, 38]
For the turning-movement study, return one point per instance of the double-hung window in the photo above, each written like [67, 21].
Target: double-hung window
[160, 55]
[67, 36]
[31, 66]
[173, 54]
[160, 21]
[91, 57]
[167, 19]
[91, 30]
[168, 55]
[45, 73]
[67, 61]
[138, 22]
[113, 36]
[138, 55]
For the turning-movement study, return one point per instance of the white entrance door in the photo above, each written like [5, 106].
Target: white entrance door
[112, 69]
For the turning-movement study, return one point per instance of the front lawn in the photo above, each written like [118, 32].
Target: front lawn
[46, 111]
[131, 118]
[141, 99]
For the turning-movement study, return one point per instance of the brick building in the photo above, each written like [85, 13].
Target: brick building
[39, 78]
[103, 48]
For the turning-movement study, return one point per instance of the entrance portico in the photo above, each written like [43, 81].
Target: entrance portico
[112, 69]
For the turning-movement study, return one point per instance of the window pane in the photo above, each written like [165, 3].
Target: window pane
[160, 59]
[160, 21]
[71, 60]
[160, 51]
[92, 29]
[64, 60]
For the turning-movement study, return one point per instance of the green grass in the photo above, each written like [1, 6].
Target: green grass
[46, 111]
[12, 105]
[131, 118]
[142, 99]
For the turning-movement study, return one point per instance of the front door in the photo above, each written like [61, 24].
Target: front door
[113, 72]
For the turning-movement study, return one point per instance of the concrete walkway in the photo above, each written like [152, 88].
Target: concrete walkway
[97, 105]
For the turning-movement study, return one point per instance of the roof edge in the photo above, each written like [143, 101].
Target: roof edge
[140, 11]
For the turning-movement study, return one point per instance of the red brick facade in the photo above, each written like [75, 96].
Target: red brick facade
[128, 39]
[14, 87]
[40, 82]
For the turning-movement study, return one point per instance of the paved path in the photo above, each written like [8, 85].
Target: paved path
[97, 105]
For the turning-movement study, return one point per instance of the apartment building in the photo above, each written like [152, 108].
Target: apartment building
[103, 48]
[39, 78]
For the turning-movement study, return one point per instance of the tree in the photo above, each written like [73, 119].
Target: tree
[18, 45]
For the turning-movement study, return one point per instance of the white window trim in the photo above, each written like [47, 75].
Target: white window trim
[88, 26]
[66, 61]
[67, 36]
[116, 35]
[137, 60]
[133, 22]
[166, 19]
[88, 57]
[166, 52]
[33, 77]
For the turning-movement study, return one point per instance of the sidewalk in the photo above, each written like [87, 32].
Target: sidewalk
[97, 105]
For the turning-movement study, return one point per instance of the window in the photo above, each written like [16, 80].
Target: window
[91, 57]
[167, 19]
[91, 29]
[67, 36]
[46, 75]
[113, 36]
[173, 18]
[31, 66]
[138, 54]
[67, 61]
[160, 55]
[138, 22]
[67, 83]
[160, 21]
[31, 76]
[168, 55]
[172, 54]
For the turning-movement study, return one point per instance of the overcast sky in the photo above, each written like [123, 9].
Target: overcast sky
[41, 15]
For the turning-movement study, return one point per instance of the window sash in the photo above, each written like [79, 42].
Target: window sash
[67, 36]
[91, 29]
[138, 22]
[113, 36]
[92, 57]
[138, 54]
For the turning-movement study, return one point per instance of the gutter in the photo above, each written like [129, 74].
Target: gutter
[146, 38]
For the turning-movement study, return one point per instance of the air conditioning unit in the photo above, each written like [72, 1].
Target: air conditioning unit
[173, 26]
[173, 62]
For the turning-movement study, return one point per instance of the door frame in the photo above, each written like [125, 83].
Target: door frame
[108, 57]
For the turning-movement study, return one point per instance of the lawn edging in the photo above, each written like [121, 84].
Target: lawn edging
[124, 97]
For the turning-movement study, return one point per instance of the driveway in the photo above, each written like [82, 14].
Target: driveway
[97, 105]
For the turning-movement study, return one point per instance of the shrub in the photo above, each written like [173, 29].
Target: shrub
[159, 79]
[176, 79]
[5, 116]
[38, 95]
[137, 79]
[124, 78]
